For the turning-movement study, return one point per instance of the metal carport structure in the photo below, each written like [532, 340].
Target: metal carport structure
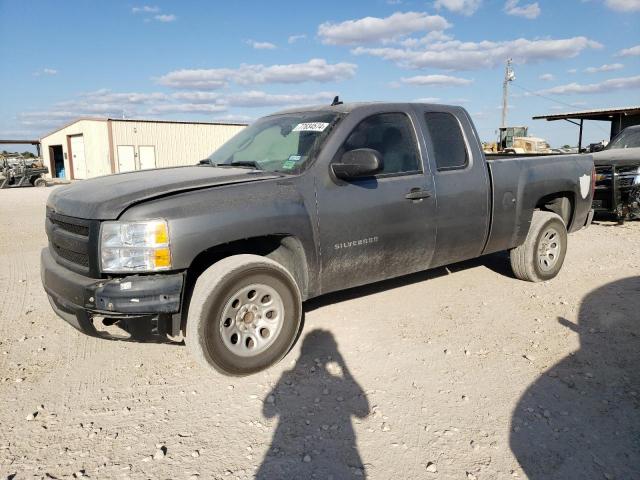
[36, 143]
[620, 119]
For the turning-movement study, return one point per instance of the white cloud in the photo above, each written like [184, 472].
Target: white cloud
[464, 7]
[46, 71]
[261, 45]
[429, 38]
[572, 70]
[203, 108]
[624, 5]
[530, 11]
[427, 100]
[432, 80]
[316, 70]
[145, 9]
[605, 68]
[623, 83]
[208, 79]
[295, 38]
[105, 96]
[629, 52]
[255, 98]
[165, 18]
[248, 99]
[106, 103]
[374, 29]
[196, 97]
[457, 55]
[547, 77]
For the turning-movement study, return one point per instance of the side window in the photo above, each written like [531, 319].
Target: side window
[392, 135]
[447, 139]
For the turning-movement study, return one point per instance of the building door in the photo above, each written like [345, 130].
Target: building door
[78, 160]
[126, 158]
[56, 160]
[147, 155]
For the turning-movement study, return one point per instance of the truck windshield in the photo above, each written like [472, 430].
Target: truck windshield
[627, 139]
[279, 143]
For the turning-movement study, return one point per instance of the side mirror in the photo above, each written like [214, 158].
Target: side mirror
[598, 147]
[358, 163]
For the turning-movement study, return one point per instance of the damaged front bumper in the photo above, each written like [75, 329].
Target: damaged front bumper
[77, 299]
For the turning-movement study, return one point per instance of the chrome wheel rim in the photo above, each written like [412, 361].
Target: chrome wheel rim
[251, 320]
[549, 249]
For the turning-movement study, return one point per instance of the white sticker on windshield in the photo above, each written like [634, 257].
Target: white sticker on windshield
[311, 127]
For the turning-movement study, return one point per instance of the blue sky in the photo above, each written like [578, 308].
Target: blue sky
[236, 61]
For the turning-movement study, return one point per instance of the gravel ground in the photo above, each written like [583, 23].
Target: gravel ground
[457, 373]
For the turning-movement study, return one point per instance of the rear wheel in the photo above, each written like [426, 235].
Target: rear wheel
[40, 182]
[542, 254]
[244, 315]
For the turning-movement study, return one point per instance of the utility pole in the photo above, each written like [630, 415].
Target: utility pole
[509, 76]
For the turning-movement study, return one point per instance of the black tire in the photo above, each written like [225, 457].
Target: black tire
[215, 288]
[40, 182]
[528, 261]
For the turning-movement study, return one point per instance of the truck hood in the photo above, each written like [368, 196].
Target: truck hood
[105, 198]
[617, 156]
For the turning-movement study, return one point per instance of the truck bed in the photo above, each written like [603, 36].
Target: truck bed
[518, 185]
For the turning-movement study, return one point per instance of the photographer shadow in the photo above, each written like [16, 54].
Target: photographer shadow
[581, 419]
[315, 401]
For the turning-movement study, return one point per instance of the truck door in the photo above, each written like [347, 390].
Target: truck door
[461, 180]
[376, 228]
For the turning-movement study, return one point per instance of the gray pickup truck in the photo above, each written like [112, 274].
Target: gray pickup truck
[299, 204]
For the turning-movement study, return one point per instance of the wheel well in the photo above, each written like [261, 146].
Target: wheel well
[561, 203]
[287, 250]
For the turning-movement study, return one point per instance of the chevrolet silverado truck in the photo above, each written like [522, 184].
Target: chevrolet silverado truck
[299, 204]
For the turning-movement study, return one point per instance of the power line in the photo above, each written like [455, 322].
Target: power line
[553, 100]
[542, 96]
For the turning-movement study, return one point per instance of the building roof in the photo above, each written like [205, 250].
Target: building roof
[597, 114]
[103, 119]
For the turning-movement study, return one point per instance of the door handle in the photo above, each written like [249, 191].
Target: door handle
[417, 194]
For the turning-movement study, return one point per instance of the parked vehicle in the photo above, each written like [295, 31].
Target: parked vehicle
[618, 176]
[20, 172]
[300, 204]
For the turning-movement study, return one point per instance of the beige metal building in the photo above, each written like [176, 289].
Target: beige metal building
[99, 146]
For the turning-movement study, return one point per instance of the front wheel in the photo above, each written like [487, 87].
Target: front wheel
[542, 254]
[244, 315]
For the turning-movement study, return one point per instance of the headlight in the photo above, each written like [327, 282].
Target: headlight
[135, 246]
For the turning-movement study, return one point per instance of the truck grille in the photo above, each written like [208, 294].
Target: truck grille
[74, 257]
[69, 241]
[627, 176]
[70, 227]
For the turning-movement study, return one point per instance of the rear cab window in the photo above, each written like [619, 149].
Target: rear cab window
[447, 140]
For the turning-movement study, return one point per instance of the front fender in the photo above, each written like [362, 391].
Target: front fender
[203, 219]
